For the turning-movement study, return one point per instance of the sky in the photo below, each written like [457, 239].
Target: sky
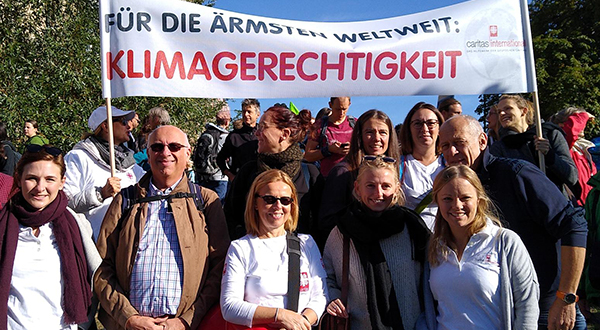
[345, 11]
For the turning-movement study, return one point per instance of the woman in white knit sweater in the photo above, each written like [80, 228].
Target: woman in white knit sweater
[387, 252]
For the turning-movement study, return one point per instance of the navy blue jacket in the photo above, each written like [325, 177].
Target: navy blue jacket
[534, 208]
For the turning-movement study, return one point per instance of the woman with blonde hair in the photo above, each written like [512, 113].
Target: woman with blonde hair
[254, 289]
[481, 274]
[373, 135]
[386, 251]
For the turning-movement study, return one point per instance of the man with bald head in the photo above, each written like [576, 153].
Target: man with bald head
[164, 251]
[553, 231]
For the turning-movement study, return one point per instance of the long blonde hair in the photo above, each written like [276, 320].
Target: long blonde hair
[485, 210]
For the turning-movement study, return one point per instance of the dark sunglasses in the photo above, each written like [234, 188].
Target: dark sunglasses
[272, 199]
[370, 158]
[49, 150]
[173, 147]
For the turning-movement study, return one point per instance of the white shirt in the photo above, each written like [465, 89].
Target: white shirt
[36, 287]
[468, 291]
[417, 182]
[256, 274]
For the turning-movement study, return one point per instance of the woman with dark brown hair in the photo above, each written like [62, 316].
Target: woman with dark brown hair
[278, 134]
[421, 160]
[47, 254]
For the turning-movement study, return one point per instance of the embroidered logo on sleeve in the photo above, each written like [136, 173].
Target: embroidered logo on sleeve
[304, 282]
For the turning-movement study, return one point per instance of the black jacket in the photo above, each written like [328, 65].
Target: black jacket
[537, 211]
[241, 146]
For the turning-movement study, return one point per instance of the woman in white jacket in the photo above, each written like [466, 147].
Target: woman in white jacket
[481, 274]
[89, 185]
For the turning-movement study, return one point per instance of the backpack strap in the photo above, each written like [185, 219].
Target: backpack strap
[323, 140]
[129, 200]
[293, 251]
[402, 168]
[195, 190]
[351, 121]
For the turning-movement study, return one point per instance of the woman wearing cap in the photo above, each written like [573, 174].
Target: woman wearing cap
[387, 244]
[254, 288]
[31, 132]
[278, 134]
[89, 184]
[47, 255]
[421, 160]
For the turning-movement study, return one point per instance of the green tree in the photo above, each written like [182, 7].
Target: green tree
[566, 40]
[50, 72]
[485, 103]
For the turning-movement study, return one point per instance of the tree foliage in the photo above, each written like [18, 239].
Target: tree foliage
[566, 40]
[50, 72]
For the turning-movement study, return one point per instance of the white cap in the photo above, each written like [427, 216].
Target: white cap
[99, 116]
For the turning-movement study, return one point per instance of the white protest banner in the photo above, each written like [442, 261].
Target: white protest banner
[180, 49]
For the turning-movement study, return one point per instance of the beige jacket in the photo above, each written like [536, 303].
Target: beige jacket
[203, 255]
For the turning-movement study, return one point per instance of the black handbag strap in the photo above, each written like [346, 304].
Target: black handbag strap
[345, 269]
[293, 251]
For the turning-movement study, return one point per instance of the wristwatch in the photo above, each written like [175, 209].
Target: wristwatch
[568, 298]
[99, 194]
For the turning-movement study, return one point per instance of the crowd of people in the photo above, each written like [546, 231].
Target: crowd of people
[288, 221]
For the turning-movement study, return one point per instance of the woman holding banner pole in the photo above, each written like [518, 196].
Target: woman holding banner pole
[89, 184]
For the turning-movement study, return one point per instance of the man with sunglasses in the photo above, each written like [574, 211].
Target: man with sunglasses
[89, 185]
[163, 255]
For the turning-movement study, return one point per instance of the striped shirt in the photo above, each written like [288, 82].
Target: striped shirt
[157, 275]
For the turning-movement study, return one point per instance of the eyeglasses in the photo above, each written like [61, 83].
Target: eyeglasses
[431, 123]
[370, 158]
[173, 147]
[50, 150]
[272, 199]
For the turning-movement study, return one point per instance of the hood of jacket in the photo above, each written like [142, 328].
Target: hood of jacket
[212, 126]
[90, 148]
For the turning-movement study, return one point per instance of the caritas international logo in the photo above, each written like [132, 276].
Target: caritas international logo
[493, 31]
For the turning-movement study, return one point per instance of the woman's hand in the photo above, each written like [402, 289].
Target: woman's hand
[542, 145]
[290, 320]
[336, 308]
[111, 188]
